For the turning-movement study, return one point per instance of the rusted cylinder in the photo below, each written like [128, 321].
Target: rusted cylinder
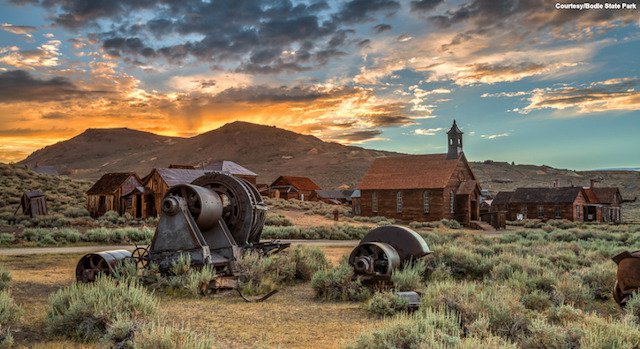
[93, 264]
[205, 205]
[374, 258]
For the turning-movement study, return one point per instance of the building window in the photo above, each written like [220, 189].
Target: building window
[578, 211]
[558, 212]
[425, 201]
[451, 198]
[540, 212]
[374, 202]
[399, 202]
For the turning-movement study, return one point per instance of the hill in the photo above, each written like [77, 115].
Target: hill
[266, 150]
[271, 151]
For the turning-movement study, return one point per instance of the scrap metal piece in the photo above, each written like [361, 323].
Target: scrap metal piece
[94, 264]
[628, 276]
[412, 298]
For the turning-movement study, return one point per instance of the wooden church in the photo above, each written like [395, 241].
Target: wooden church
[427, 187]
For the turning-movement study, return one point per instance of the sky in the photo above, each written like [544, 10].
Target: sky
[527, 82]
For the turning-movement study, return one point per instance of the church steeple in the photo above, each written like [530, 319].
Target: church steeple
[454, 136]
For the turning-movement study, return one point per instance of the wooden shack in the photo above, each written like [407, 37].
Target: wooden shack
[292, 187]
[107, 193]
[33, 203]
[231, 167]
[543, 203]
[335, 197]
[423, 187]
[157, 183]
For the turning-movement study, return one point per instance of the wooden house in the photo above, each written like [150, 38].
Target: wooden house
[231, 167]
[579, 204]
[107, 193]
[155, 186]
[291, 187]
[422, 187]
[33, 203]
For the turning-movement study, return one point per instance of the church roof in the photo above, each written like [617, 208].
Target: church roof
[454, 128]
[431, 171]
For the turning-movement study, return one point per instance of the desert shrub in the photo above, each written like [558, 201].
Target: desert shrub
[111, 217]
[536, 300]
[451, 224]
[85, 311]
[5, 278]
[599, 278]
[98, 235]
[417, 225]
[601, 332]
[505, 316]
[338, 284]
[386, 304]
[543, 335]
[461, 262]
[10, 312]
[632, 308]
[75, 212]
[569, 289]
[328, 232]
[157, 336]
[7, 239]
[309, 260]
[43, 236]
[262, 274]
[410, 277]
[277, 220]
[425, 329]
[65, 235]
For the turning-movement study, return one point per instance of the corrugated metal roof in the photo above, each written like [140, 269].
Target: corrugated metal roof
[109, 183]
[545, 195]
[175, 176]
[431, 171]
[229, 167]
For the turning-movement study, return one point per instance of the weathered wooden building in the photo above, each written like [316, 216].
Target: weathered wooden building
[292, 187]
[572, 203]
[422, 187]
[33, 203]
[231, 167]
[107, 193]
[335, 197]
[155, 186]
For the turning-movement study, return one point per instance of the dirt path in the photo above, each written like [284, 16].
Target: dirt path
[89, 249]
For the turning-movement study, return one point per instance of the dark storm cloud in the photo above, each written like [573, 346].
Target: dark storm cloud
[266, 94]
[359, 136]
[256, 35]
[381, 28]
[20, 86]
[534, 15]
[424, 5]
[54, 116]
[361, 10]
[364, 43]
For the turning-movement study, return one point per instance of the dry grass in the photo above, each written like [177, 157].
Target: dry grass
[290, 319]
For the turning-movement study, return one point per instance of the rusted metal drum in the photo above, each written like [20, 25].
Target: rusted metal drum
[628, 276]
[104, 262]
[385, 249]
[374, 258]
[204, 205]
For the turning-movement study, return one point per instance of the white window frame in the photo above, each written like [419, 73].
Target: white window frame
[425, 201]
[451, 202]
[399, 202]
[374, 202]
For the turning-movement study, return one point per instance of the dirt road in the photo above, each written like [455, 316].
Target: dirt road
[88, 249]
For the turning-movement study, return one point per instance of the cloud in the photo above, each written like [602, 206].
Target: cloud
[25, 30]
[361, 10]
[494, 136]
[381, 28]
[597, 97]
[485, 73]
[424, 5]
[427, 131]
[359, 136]
[20, 86]
[46, 55]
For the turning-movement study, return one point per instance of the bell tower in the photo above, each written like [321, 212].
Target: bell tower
[454, 136]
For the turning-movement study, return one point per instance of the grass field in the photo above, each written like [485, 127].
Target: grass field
[544, 287]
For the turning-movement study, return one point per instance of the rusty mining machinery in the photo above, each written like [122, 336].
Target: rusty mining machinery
[627, 276]
[219, 217]
[214, 220]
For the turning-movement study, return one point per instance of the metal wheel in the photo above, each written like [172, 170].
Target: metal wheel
[141, 257]
[374, 258]
[243, 210]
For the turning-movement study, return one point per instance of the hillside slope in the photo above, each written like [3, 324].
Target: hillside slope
[271, 151]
